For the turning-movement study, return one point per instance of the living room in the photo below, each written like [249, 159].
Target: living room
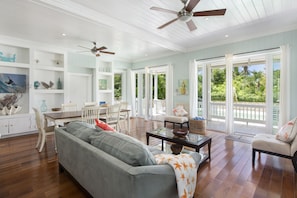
[79, 67]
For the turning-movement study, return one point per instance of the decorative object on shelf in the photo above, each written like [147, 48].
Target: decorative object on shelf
[43, 107]
[36, 84]
[102, 84]
[47, 86]
[8, 104]
[12, 83]
[6, 58]
[11, 110]
[59, 84]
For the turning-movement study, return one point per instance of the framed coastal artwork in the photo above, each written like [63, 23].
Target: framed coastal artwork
[12, 83]
[183, 87]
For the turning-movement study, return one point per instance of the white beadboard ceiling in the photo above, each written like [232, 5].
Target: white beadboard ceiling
[129, 28]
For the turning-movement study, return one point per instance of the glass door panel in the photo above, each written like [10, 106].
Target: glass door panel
[216, 116]
[249, 96]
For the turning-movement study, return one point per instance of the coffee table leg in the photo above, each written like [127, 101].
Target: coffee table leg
[147, 139]
[162, 145]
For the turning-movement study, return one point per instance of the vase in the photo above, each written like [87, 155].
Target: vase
[36, 84]
[59, 84]
[43, 107]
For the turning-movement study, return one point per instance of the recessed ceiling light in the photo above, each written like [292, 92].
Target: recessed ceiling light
[64, 34]
[206, 18]
[226, 36]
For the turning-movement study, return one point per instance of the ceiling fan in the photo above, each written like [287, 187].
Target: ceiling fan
[97, 51]
[186, 13]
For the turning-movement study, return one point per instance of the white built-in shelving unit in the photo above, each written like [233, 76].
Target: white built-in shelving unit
[103, 74]
[36, 64]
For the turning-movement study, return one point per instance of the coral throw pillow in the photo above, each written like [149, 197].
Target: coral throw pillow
[180, 111]
[103, 125]
[288, 132]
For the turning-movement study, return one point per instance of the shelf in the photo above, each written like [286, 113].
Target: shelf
[14, 64]
[49, 91]
[105, 73]
[49, 68]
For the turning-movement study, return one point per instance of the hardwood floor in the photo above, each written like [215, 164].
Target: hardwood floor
[24, 172]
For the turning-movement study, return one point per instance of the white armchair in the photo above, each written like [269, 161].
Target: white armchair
[269, 144]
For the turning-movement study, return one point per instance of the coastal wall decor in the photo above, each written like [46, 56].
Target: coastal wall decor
[12, 83]
[183, 86]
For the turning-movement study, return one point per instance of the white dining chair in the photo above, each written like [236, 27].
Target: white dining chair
[123, 115]
[69, 107]
[112, 116]
[90, 113]
[43, 129]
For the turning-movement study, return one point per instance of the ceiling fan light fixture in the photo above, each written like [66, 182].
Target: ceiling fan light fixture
[184, 15]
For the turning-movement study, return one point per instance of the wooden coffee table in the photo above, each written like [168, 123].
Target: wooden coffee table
[192, 140]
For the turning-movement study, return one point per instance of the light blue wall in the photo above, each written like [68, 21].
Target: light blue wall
[180, 62]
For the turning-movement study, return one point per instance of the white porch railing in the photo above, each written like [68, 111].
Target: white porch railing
[244, 111]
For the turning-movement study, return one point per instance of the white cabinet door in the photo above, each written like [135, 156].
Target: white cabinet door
[17, 124]
[4, 127]
[20, 125]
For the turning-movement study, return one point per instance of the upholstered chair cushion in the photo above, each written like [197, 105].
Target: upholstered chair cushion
[176, 119]
[268, 142]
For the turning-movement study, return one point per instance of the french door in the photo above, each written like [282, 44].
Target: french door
[151, 89]
[240, 96]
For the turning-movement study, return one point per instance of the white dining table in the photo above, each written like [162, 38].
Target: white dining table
[69, 116]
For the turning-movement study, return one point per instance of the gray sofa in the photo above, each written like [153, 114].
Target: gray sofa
[104, 175]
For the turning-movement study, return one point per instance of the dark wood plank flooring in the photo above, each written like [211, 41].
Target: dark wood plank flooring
[24, 172]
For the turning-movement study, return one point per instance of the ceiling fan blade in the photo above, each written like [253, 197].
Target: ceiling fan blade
[83, 47]
[106, 52]
[210, 13]
[191, 5]
[101, 48]
[168, 23]
[163, 10]
[191, 25]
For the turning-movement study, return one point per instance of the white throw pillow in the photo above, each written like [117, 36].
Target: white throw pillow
[287, 132]
[180, 111]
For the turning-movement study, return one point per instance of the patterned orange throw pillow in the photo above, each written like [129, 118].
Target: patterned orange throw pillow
[103, 125]
[288, 132]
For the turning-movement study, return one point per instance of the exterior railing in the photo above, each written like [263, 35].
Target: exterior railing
[247, 112]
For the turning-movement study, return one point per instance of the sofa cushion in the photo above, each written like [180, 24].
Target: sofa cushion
[287, 132]
[125, 148]
[82, 130]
